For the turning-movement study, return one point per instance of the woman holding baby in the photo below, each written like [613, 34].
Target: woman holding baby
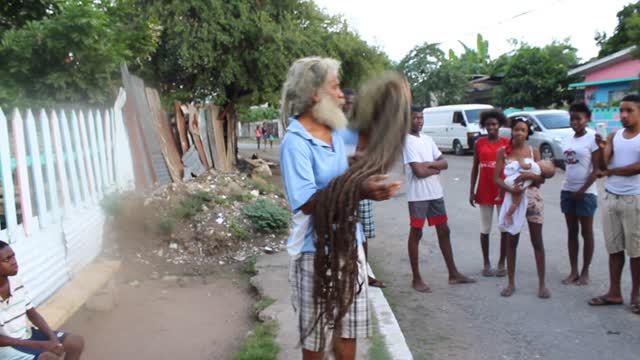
[523, 173]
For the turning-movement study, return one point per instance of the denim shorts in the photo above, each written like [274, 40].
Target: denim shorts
[585, 207]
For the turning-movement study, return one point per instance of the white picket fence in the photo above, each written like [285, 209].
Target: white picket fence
[55, 167]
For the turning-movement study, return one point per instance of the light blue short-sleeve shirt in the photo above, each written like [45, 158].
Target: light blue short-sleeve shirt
[307, 165]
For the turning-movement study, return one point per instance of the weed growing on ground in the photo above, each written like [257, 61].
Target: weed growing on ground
[238, 232]
[166, 224]
[264, 303]
[378, 349]
[263, 186]
[249, 266]
[192, 205]
[266, 216]
[113, 203]
[241, 197]
[260, 344]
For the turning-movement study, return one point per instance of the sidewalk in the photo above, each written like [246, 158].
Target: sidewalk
[271, 281]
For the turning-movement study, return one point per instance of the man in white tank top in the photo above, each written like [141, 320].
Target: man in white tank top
[621, 204]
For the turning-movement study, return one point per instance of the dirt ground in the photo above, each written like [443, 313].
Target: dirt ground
[173, 318]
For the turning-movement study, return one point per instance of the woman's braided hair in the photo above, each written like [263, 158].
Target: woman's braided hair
[382, 111]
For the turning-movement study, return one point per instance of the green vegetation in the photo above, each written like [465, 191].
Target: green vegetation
[266, 216]
[378, 349]
[264, 186]
[260, 344]
[113, 203]
[264, 303]
[192, 205]
[239, 232]
[248, 267]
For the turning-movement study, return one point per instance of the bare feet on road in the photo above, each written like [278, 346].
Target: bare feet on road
[571, 279]
[420, 286]
[460, 279]
[508, 291]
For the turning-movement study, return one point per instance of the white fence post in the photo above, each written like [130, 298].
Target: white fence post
[8, 193]
[92, 145]
[80, 156]
[52, 183]
[71, 160]
[24, 191]
[36, 168]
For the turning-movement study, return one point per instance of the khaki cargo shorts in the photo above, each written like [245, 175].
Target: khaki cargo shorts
[621, 225]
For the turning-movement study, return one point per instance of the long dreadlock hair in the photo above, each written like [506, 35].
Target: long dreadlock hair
[382, 110]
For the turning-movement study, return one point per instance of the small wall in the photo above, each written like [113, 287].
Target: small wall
[622, 69]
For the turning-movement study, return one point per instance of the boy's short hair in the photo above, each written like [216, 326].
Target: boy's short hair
[632, 98]
[580, 107]
[416, 109]
[3, 244]
[348, 92]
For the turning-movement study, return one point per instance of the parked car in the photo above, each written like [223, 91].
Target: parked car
[549, 128]
[454, 127]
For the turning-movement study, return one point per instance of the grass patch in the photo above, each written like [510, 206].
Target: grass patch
[264, 303]
[165, 225]
[248, 267]
[112, 204]
[260, 344]
[241, 197]
[192, 205]
[267, 216]
[239, 232]
[264, 186]
[378, 349]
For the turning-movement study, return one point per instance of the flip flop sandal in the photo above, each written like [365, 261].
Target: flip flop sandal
[501, 272]
[602, 301]
[377, 283]
[635, 308]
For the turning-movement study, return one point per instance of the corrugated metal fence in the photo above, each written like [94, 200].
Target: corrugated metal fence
[55, 168]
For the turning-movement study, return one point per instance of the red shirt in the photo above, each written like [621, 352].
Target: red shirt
[487, 190]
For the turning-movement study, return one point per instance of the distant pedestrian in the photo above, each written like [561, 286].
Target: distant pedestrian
[487, 194]
[578, 199]
[258, 135]
[271, 138]
[423, 163]
[621, 203]
[265, 134]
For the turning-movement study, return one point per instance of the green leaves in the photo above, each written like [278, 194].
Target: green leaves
[266, 216]
[626, 34]
[72, 55]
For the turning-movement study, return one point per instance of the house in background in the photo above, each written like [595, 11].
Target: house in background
[608, 79]
[479, 89]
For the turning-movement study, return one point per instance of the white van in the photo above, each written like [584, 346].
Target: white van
[454, 127]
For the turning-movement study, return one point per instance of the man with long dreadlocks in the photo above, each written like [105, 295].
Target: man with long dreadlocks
[328, 275]
[423, 163]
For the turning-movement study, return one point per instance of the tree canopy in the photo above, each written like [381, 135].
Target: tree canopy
[226, 51]
[626, 33]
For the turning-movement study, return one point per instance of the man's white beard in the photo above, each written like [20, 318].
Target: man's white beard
[329, 112]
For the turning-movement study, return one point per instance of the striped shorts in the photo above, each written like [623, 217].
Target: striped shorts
[365, 217]
[355, 324]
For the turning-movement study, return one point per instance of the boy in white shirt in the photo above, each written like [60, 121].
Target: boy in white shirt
[19, 341]
[423, 162]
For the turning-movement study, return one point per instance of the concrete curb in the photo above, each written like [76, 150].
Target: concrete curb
[271, 280]
[388, 325]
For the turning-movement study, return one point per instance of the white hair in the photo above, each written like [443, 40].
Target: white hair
[305, 77]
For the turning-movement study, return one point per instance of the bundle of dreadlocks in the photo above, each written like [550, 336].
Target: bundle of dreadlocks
[382, 111]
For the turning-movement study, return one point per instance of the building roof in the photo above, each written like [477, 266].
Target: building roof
[605, 61]
[605, 81]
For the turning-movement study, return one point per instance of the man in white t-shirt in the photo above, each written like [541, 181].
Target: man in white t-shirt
[622, 203]
[423, 162]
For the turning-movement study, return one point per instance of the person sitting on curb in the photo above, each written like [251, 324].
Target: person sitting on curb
[18, 341]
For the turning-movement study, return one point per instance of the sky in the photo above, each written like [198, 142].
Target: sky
[399, 25]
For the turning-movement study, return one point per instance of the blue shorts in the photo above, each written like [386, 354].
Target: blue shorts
[585, 207]
[38, 335]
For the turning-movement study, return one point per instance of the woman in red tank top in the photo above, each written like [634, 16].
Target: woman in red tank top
[487, 194]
